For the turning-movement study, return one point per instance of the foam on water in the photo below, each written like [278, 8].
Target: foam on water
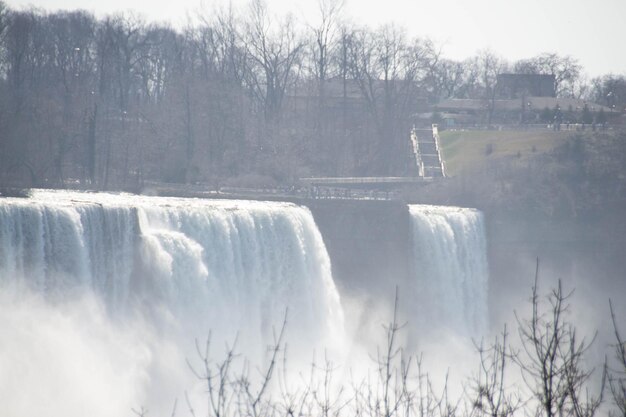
[451, 272]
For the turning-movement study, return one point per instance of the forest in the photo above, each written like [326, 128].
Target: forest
[236, 97]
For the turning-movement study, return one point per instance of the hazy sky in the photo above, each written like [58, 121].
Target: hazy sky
[594, 31]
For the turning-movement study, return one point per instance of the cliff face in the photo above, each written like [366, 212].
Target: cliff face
[369, 243]
[564, 206]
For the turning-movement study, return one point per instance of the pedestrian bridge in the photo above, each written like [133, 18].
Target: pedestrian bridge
[363, 182]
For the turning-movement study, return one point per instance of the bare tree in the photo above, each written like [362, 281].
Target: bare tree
[393, 375]
[24, 70]
[445, 79]
[609, 90]
[217, 377]
[566, 70]
[490, 395]
[488, 66]
[321, 64]
[385, 67]
[617, 376]
[4, 14]
[325, 36]
[274, 48]
[551, 358]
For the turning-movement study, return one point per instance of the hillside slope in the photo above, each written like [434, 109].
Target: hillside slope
[472, 149]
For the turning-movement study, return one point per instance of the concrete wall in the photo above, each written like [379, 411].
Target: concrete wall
[369, 243]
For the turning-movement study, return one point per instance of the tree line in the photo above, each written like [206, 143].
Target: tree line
[240, 97]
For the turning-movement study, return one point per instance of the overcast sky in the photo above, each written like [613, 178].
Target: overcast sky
[594, 31]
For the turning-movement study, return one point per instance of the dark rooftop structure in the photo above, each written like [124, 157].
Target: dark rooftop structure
[511, 105]
[525, 85]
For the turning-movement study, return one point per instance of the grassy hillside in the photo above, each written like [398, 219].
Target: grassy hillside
[471, 150]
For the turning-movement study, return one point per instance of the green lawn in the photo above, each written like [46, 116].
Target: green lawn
[463, 150]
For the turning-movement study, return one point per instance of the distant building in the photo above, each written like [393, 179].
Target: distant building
[510, 86]
[528, 110]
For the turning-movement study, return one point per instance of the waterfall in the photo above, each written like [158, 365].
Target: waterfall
[450, 267]
[112, 289]
[228, 266]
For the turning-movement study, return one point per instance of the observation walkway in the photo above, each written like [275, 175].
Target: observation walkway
[363, 182]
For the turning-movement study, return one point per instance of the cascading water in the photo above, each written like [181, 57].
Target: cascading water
[451, 272]
[188, 266]
[104, 288]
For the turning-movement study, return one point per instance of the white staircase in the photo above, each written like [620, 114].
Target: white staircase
[426, 149]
